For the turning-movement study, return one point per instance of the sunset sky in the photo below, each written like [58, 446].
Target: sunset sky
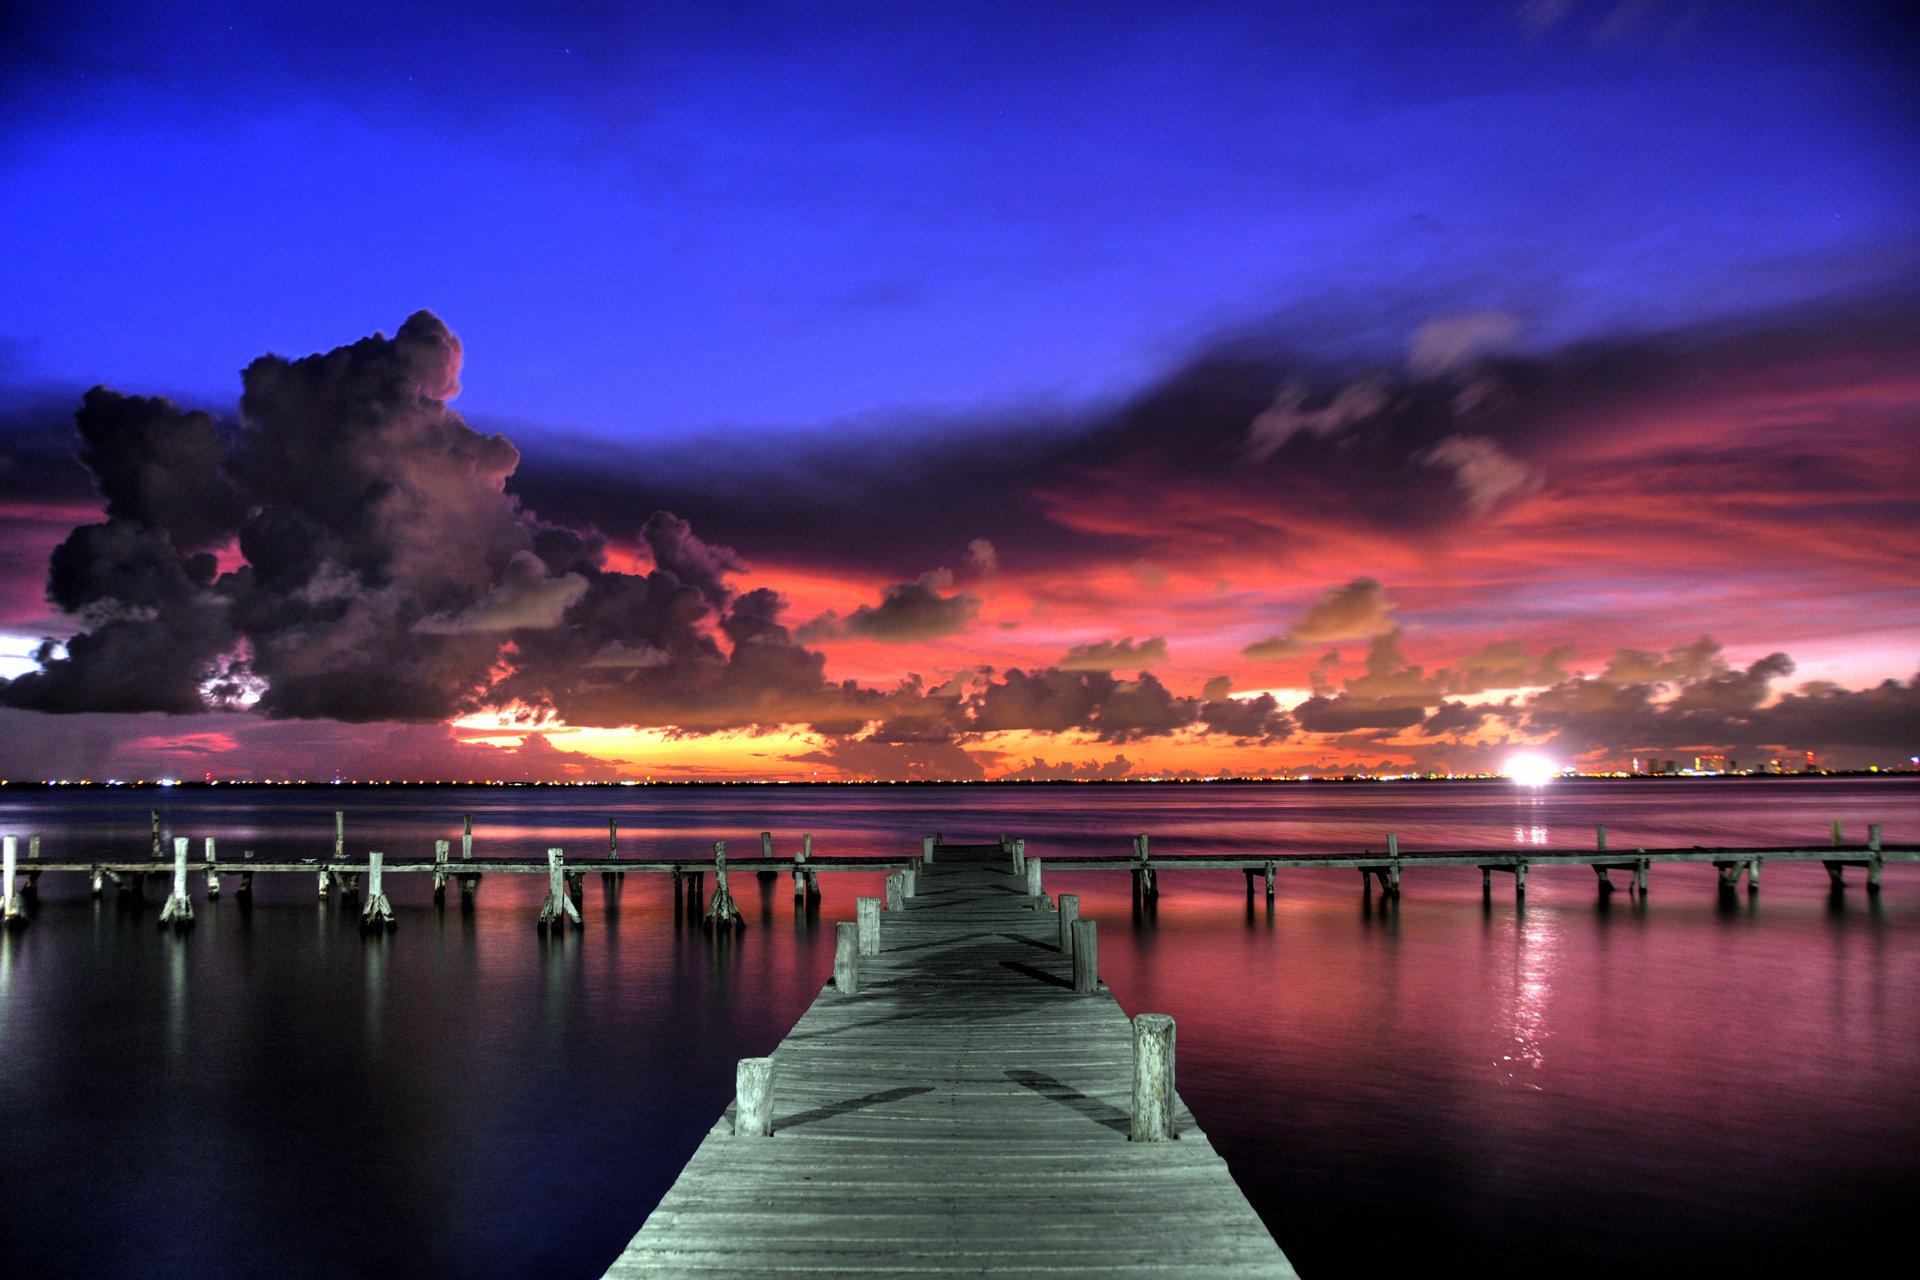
[956, 390]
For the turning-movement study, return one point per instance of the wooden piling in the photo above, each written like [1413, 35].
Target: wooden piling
[1086, 957]
[559, 906]
[909, 882]
[469, 881]
[846, 958]
[379, 912]
[1874, 859]
[1152, 1078]
[926, 848]
[440, 850]
[753, 1098]
[896, 892]
[178, 910]
[721, 910]
[1069, 913]
[213, 872]
[12, 910]
[31, 889]
[1034, 890]
[867, 915]
[245, 891]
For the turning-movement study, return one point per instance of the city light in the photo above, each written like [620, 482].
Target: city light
[1532, 771]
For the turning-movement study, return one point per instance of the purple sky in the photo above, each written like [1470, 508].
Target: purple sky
[1424, 295]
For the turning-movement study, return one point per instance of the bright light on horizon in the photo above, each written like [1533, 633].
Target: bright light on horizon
[1532, 771]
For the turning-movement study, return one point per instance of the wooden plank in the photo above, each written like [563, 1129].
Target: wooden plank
[965, 1114]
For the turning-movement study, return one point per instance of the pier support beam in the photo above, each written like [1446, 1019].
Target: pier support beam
[846, 958]
[753, 1098]
[1144, 883]
[1086, 957]
[1069, 913]
[867, 916]
[379, 912]
[806, 881]
[721, 910]
[440, 850]
[897, 892]
[559, 907]
[13, 912]
[178, 910]
[1152, 1078]
[469, 881]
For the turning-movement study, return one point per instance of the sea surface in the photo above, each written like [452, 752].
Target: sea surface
[1570, 1085]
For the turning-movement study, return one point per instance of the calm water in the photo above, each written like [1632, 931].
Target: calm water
[1562, 1088]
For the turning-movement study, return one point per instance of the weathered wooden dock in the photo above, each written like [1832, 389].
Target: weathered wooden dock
[960, 1102]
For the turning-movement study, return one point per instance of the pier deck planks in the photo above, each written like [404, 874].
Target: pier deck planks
[965, 1114]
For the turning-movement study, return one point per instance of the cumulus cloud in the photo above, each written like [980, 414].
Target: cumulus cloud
[1447, 343]
[1110, 655]
[1359, 608]
[907, 612]
[1040, 769]
[526, 597]
[1487, 474]
[982, 555]
[1298, 411]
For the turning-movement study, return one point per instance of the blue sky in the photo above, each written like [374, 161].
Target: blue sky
[681, 217]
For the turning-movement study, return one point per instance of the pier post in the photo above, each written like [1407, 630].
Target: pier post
[213, 871]
[178, 910]
[721, 910]
[469, 882]
[1152, 1078]
[1069, 913]
[867, 914]
[245, 891]
[12, 910]
[813, 877]
[1640, 866]
[379, 912]
[1144, 884]
[349, 881]
[1269, 882]
[97, 879]
[558, 907]
[1833, 831]
[31, 888]
[1486, 882]
[1018, 848]
[1390, 878]
[766, 852]
[1520, 880]
[1036, 894]
[846, 958]
[440, 848]
[897, 891]
[154, 816]
[1753, 874]
[610, 878]
[1086, 957]
[1874, 860]
[910, 881]
[753, 1098]
[926, 849]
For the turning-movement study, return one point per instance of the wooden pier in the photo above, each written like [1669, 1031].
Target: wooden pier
[965, 1098]
[1388, 865]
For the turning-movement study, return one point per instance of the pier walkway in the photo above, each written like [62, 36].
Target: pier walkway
[965, 1112]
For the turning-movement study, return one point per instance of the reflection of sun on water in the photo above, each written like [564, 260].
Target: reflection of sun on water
[1535, 952]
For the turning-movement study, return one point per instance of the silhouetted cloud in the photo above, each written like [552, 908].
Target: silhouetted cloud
[1111, 655]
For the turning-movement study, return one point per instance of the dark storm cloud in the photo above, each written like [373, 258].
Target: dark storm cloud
[388, 574]
[1112, 655]
[908, 612]
[160, 467]
[1447, 435]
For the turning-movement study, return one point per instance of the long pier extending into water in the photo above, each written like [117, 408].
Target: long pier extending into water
[965, 1098]
[566, 877]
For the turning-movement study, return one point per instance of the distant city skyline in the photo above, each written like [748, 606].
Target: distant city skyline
[961, 393]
